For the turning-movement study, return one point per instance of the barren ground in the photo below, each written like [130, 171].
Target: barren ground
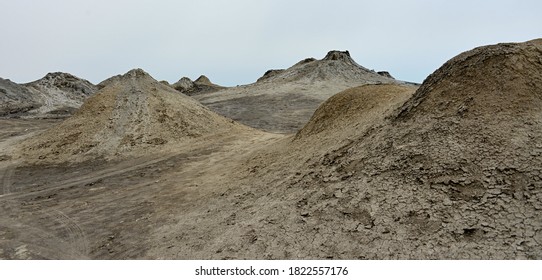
[108, 210]
[449, 170]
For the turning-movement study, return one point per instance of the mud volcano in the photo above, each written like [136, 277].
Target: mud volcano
[129, 115]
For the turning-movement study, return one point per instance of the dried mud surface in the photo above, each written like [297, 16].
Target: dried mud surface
[282, 101]
[109, 209]
[449, 170]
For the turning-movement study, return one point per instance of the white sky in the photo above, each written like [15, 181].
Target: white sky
[236, 41]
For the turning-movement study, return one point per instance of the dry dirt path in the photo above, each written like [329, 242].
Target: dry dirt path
[110, 210]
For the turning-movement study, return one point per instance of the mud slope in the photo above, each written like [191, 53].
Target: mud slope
[132, 114]
[354, 109]
[284, 100]
[15, 100]
[454, 173]
[62, 93]
[55, 95]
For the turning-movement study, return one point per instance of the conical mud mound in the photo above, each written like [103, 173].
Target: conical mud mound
[201, 85]
[283, 100]
[62, 93]
[499, 79]
[131, 113]
[355, 108]
[335, 66]
[55, 95]
[454, 173]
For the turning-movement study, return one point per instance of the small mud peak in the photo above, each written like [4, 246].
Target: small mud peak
[136, 73]
[203, 80]
[183, 84]
[61, 80]
[338, 55]
[185, 80]
[336, 66]
[58, 75]
[199, 86]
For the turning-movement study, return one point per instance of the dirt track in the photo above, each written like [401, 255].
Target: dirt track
[109, 210]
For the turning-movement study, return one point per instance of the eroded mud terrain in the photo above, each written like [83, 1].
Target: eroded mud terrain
[106, 209]
[448, 170]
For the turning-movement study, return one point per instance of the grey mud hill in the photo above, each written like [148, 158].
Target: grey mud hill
[283, 100]
[131, 114]
[55, 95]
[384, 169]
[455, 172]
[15, 99]
[62, 93]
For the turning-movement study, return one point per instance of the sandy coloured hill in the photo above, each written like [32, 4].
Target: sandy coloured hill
[283, 100]
[131, 115]
[352, 110]
[452, 173]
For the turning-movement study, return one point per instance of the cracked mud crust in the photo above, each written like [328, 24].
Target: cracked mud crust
[449, 170]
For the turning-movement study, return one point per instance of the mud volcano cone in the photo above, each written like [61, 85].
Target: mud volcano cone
[453, 173]
[131, 113]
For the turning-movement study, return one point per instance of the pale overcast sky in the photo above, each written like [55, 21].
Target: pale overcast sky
[236, 41]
